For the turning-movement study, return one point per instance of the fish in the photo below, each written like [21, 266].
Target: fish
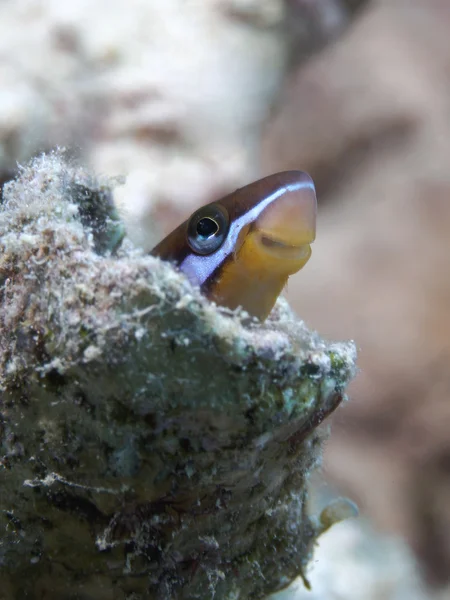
[240, 250]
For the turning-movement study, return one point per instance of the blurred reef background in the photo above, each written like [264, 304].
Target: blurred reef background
[189, 100]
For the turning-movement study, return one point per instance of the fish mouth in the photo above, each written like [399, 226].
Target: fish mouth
[285, 250]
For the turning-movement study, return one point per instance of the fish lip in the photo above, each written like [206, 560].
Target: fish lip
[283, 249]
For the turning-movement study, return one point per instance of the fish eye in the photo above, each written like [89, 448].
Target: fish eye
[207, 229]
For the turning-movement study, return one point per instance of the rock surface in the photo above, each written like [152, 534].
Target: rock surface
[152, 445]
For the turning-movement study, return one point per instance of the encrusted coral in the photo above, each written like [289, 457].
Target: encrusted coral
[153, 445]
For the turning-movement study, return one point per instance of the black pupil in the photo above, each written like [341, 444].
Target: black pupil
[206, 227]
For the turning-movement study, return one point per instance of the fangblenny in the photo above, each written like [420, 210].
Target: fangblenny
[241, 249]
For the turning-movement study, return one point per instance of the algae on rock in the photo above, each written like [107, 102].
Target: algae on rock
[152, 444]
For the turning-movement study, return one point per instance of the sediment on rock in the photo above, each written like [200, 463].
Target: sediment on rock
[152, 445]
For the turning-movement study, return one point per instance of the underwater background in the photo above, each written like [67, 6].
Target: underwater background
[191, 99]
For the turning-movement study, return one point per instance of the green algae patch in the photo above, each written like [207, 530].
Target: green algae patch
[152, 444]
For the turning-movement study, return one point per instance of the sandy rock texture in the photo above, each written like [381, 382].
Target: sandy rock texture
[369, 118]
[152, 445]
